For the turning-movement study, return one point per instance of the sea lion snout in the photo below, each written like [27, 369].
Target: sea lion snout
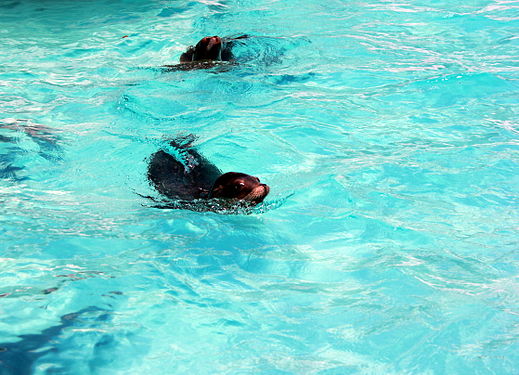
[258, 194]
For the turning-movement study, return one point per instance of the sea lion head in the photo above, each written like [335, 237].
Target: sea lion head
[208, 48]
[239, 186]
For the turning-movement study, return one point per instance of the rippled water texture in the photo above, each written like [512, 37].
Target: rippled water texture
[387, 131]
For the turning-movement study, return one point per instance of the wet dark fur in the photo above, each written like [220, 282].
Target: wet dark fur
[197, 178]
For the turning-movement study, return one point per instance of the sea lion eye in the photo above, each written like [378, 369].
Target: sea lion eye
[239, 185]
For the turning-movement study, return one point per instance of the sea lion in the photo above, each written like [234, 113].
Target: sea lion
[208, 48]
[195, 178]
[207, 53]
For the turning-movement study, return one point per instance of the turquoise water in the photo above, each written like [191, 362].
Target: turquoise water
[388, 132]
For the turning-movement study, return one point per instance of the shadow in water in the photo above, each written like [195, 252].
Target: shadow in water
[19, 138]
[18, 358]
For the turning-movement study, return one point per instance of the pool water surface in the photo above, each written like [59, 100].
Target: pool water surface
[387, 131]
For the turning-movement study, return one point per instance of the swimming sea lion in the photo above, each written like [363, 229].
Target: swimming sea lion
[207, 53]
[196, 178]
[208, 48]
